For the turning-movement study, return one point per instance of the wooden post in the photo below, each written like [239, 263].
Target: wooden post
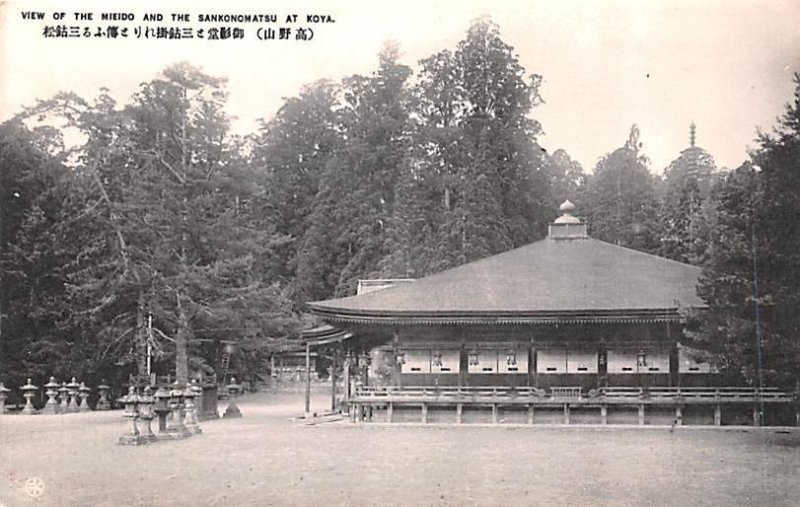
[459, 413]
[756, 418]
[397, 370]
[333, 381]
[494, 413]
[717, 415]
[603, 414]
[308, 378]
[678, 415]
[566, 413]
[389, 412]
[530, 414]
[272, 372]
[346, 381]
[641, 414]
[424, 413]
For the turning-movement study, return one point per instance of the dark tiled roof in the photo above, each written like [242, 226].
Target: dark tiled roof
[548, 277]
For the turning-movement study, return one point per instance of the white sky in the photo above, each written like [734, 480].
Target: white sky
[726, 64]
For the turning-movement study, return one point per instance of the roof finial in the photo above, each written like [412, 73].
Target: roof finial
[566, 210]
[567, 226]
[692, 133]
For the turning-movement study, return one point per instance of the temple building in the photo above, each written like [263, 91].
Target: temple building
[566, 328]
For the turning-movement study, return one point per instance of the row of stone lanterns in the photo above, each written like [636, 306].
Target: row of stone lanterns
[62, 398]
[176, 410]
[141, 409]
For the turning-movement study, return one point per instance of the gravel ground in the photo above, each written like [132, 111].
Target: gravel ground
[266, 459]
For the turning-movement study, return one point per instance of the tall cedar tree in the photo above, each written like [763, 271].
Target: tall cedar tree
[778, 156]
[727, 327]
[621, 200]
[34, 194]
[751, 281]
[290, 154]
[686, 187]
[567, 179]
[473, 183]
[356, 197]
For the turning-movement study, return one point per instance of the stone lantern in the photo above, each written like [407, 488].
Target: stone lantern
[131, 400]
[51, 407]
[146, 414]
[72, 404]
[28, 392]
[63, 397]
[84, 394]
[233, 410]
[3, 397]
[177, 429]
[190, 420]
[102, 402]
[199, 398]
[162, 408]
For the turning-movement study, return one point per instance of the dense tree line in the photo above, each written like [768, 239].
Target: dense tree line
[161, 231]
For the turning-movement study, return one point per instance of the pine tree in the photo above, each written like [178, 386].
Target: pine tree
[198, 219]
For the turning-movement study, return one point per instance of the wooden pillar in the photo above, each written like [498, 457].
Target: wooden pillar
[641, 414]
[272, 372]
[424, 413]
[674, 360]
[397, 371]
[333, 381]
[346, 381]
[494, 413]
[390, 412]
[678, 415]
[308, 379]
[459, 413]
[756, 418]
[566, 413]
[463, 365]
[530, 414]
[717, 415]
[280, 373]
[603, 414]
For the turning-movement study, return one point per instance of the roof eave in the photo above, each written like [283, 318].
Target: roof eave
[498, 318]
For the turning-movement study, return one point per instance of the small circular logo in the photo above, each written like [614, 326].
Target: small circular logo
[34, 487]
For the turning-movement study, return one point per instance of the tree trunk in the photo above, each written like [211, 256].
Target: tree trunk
[141, 338]
[182, 346]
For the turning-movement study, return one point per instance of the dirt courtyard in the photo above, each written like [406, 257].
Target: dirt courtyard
[266, 459]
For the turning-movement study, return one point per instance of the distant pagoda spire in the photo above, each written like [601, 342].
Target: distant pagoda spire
[692, 133]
